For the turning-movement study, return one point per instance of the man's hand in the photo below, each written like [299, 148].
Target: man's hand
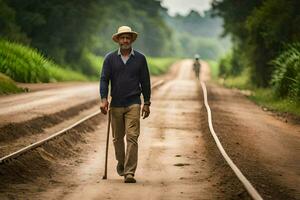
[145, 111]
[104, 106]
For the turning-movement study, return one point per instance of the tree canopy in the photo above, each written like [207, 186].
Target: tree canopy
[260, 30]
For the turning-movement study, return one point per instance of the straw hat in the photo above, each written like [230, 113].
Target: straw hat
[124, 29]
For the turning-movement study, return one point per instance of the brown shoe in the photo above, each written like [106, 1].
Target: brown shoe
[129, 178]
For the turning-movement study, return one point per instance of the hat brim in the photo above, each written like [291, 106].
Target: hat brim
[116, 35]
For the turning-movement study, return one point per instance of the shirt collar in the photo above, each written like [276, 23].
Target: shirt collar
[131, 53]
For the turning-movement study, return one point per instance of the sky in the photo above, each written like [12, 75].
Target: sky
[183, 7]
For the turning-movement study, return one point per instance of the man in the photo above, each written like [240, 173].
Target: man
[197, 66]
[127, 70]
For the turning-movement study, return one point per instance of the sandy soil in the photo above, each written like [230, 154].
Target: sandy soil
[15, 136]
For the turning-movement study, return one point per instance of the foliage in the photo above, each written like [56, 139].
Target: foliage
[225, 65]
[95, 62]
[241, 82]
[59, 74]
[24, 64]
[8, 26]
[195, 33]
[70, 31]
[159, 66]
[7, 85]
[286, 76]
[267, 98]
[259, 29]
[214, 68]
[270, 26]
[232, 63]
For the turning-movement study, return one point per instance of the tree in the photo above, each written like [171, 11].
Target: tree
[259, 30]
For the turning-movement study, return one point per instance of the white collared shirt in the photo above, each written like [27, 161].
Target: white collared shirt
[125, 58]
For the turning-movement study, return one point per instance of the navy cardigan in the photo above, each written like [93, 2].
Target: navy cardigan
[128, 80]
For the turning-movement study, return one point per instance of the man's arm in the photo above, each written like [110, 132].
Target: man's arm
[146, 89]
[104, 83]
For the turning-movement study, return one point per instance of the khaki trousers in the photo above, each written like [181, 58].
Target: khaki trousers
[126, 121]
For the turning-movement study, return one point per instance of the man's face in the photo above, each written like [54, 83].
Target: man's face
[125, 41]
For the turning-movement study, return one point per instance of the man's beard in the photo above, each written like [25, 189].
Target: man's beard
[125, 47]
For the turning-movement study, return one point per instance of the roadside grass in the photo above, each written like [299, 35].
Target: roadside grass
[158, 66]
[214, 69]
[265, 97]
[241, 82]
[27, 65]
[58, 74]
[7, 86]
[96, 63]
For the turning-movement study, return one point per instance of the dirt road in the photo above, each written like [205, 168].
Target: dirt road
[178, 158]
[172, 163]
[23, 107]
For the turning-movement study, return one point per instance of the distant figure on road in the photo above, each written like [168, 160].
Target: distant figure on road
[197, 66]
[128, 72]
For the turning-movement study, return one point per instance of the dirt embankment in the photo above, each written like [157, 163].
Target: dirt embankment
[43, 168]
[14, 136]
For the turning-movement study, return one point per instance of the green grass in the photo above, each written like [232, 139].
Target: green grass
[96, 63]
[158, 66]
[241, 82]
[214, 69]
[8, 86]
[27, 65]
[267, 98]
[58, 74]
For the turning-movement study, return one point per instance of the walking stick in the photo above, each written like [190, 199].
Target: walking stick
[107, 142]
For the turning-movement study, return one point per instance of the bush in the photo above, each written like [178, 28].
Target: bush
[286, 76]
[159, 66]
[58, 74]
[225, 65]
[95, 63]
[24, 64]
[214, 68]
[241, 81]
